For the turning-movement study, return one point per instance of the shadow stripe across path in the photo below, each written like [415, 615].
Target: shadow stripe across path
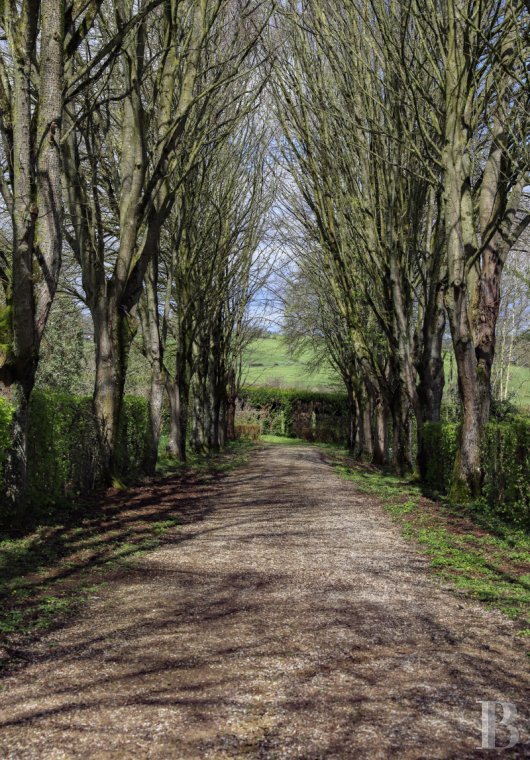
[292, 621]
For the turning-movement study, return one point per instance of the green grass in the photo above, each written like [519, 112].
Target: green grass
[284, 441]
[267, 361]
[472, 551]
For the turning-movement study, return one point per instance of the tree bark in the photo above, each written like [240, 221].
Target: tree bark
[156, 402]
[231, 407]
[462, 246]
[352, 416]
[477, 243]
[178, 394]
[401, 411]
[36, 209]
[431, 366]
[113, 335]
[367, 430]
[154, 352]
[381, 432]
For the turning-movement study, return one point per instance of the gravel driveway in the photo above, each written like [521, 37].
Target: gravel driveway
[292, 621]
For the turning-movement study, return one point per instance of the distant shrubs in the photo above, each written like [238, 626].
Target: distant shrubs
[63, 451]
[296, 414]
[505, 465]
[248, 431]
[266, 396]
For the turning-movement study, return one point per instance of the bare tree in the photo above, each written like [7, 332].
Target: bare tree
[35, 50]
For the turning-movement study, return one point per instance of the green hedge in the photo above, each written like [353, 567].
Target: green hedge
[505, 465]
[298, 413]
[262, 397]
[132, 440]
[62, 447]
[63, 453]
[5, 436]
[440, 442]
[506, 458]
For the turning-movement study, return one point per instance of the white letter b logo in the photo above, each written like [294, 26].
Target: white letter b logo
[489, 719]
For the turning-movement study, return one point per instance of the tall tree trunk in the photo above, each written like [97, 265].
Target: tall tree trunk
[231, 402]
[200, 399]
[359, 431]
[113, 335]
[221, 427]
[431, 375]
[156, 402]
[401, 411]
[36, 209]
[475, 261]
[178, 389]
[476, 406]
[16, 475]
[154, 351]
[381, 432]
[462, 246]
[352, 415]
[199, 427]
[406, 399]
[431, 366]
[213, 394]
[178, 393]
[367, 428]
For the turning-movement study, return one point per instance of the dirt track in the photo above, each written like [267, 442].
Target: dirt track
[291, 621]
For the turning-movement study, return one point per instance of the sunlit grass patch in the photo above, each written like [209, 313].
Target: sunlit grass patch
[282, 439]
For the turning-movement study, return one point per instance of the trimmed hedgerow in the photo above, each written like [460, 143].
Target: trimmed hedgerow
[506, 469]
[61, 447]
[63, 452]
[299, 414]
[6, 413]
[440, 442]
[132, 437]
[505, 465]
[265, 397]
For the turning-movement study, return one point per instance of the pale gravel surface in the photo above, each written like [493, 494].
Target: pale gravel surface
[292, 621]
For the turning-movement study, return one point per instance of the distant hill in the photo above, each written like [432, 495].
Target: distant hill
[267, 362]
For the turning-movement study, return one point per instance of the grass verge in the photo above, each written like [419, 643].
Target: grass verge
[471, 550]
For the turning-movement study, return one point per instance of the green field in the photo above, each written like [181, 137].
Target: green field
[268, 361]
[519, 385]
